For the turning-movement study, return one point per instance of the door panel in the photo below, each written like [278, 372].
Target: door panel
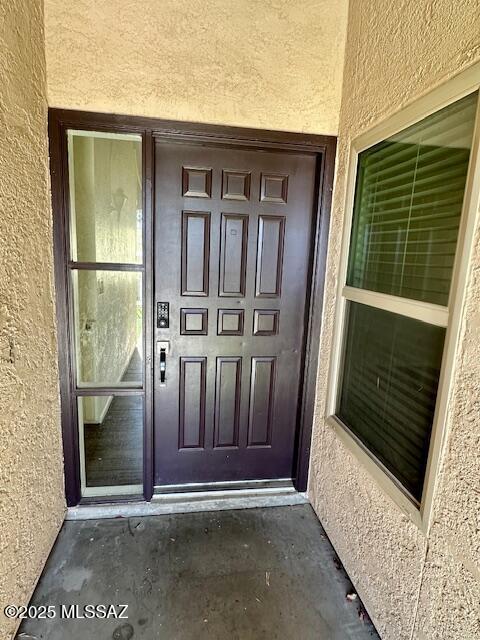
[227, 401]
[269, 256]
[233, 255]
[195, 253]
[232, 247]
[192, 403]
[262, 395]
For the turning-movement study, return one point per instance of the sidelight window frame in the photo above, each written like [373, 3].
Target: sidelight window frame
[449, 317]
[80, 389]
[60, 124]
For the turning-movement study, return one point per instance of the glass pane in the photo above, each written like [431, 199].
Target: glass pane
[108, 328]
[105, 174]
[408, 203]
[389, 388]
[111, 432]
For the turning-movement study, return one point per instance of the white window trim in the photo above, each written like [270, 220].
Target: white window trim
[451, 317]
[416, 309]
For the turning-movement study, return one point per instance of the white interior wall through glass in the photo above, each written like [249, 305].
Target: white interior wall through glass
[105, 176]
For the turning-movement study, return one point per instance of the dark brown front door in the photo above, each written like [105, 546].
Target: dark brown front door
[232, 252]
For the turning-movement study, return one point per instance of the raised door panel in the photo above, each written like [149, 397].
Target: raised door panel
[195, 253]
[265, 322]
[196, 182]
[274, 188]
[262, 392]
[193, 322]
[270, 239]
[233, 255]
[227, 401]
[236, 185]
[230, 322]
[191, 428]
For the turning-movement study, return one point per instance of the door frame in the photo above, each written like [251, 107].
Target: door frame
[322, 147]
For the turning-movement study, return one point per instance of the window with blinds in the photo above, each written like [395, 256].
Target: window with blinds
[390, 380]
[408, 203]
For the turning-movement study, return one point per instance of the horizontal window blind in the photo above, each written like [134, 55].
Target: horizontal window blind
[389, 387]
[408, 203]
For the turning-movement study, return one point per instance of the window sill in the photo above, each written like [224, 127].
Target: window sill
[380, 474]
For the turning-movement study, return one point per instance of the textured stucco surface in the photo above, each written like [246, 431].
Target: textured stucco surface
[275, 64]
[31, 476]
[414, 586]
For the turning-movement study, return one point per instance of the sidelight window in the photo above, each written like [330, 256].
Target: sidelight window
[106, 289]
[408, 203]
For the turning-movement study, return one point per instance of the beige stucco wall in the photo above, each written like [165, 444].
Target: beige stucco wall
[275, 64]
[414, 586]
[31, 476]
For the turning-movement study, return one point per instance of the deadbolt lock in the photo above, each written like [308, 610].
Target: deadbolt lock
[163, 345]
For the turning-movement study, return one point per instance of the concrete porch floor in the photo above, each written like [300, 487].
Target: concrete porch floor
[246, 574]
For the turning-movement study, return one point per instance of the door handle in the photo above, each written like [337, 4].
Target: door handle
[163, 347]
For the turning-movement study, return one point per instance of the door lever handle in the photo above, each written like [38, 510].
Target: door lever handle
[163, 367]
[163, 348]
